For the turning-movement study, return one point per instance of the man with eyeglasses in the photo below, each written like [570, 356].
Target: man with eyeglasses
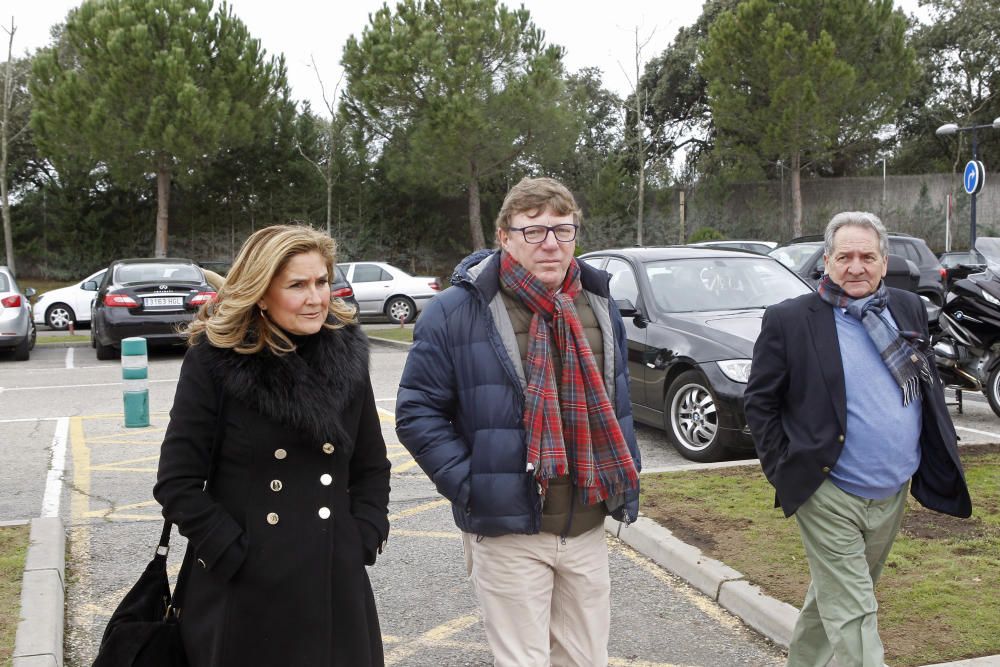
[514, 401]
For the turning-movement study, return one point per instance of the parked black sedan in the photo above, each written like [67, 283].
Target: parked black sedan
[692, 316]
[149, 298]
[960, 264]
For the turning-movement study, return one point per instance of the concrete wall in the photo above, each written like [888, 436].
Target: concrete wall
[913, 204]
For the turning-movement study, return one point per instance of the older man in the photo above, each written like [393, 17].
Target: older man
[514, 400]
[847, 412]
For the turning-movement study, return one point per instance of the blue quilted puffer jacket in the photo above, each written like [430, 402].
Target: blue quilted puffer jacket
[461, 400]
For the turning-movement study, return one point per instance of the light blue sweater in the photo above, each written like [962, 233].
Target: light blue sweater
[882, 443]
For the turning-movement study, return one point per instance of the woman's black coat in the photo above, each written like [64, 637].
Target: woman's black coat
[295, 505]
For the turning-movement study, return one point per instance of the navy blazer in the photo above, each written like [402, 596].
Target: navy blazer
[796, 406]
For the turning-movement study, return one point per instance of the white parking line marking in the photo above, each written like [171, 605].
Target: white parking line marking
[69, 357]
[54, 480]
[977, 431]
[80, 386]
[28, 419]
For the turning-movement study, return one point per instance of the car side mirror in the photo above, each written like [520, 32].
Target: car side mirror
[626, 307]
[817, 274]
[90, 286]
[30, 292]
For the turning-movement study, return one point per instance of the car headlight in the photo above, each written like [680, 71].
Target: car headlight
[990, 298]
[737, 370]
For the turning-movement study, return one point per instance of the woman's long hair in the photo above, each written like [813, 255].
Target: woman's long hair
[233, 320]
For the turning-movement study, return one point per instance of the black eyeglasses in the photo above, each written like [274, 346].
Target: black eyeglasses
[538, 233]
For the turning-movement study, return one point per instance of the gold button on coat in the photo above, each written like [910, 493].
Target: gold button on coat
[272, 518]
[276, 485]
[840, 438]
[324, 512]
[325, 479]
[826, 470]
[280, 454]
[327, 448]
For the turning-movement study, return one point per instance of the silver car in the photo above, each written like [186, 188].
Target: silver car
[383, 289]
[17, 331]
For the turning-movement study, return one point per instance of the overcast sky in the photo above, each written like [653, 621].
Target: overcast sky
[597, 33]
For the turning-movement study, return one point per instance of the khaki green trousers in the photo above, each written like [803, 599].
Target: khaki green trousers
[847, 540]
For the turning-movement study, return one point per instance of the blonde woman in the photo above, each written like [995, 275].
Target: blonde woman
[274, 467]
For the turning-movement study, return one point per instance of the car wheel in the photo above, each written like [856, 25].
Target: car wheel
[106, 352]
[992, 390]
[691, 419]
[23, 350]
[59, 315]
[401, 308]
[34, 336]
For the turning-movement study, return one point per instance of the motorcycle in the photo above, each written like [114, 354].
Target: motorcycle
[967, 342]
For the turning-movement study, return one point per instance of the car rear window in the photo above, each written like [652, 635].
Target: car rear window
[4, 283]
[148, 273]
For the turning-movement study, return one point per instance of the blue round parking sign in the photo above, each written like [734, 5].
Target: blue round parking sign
[974, 177]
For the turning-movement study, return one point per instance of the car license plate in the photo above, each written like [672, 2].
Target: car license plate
[163, 301]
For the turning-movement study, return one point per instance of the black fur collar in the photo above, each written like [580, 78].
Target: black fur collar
[309, 389]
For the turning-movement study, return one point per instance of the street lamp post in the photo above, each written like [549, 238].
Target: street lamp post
[952, 128]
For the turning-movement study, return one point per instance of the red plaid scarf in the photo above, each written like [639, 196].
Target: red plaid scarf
[572, 431]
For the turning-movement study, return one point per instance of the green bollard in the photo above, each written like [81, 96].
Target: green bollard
[135, 377]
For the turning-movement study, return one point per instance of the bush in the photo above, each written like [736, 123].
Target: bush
[706, 234]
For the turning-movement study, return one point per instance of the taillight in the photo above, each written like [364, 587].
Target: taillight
[342, 293]
[202, 297]
[944, 272]
[113, 300]
[13, 301]
[435, 285]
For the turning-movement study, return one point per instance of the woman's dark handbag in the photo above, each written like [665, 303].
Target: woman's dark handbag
[144, 631]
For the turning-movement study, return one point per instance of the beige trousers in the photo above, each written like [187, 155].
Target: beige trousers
[545, 600]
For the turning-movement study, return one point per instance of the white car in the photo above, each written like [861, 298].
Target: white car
[58, 307]
[382, 289]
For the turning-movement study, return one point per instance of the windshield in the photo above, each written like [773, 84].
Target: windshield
[952, 259]
[715, 283]
[989, 247]
[150, 273]
[796, 256]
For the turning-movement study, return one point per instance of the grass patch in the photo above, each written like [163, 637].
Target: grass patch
[13, 549]
[74, 338]
[937, 594]
[393, 333]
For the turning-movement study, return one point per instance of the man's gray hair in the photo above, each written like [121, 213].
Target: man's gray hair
[855, 219]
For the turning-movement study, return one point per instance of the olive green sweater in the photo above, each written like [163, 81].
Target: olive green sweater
[563, 512]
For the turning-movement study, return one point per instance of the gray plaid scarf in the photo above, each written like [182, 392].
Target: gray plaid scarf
[903, 352]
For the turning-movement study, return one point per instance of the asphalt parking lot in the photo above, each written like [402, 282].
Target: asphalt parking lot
[64, 451]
